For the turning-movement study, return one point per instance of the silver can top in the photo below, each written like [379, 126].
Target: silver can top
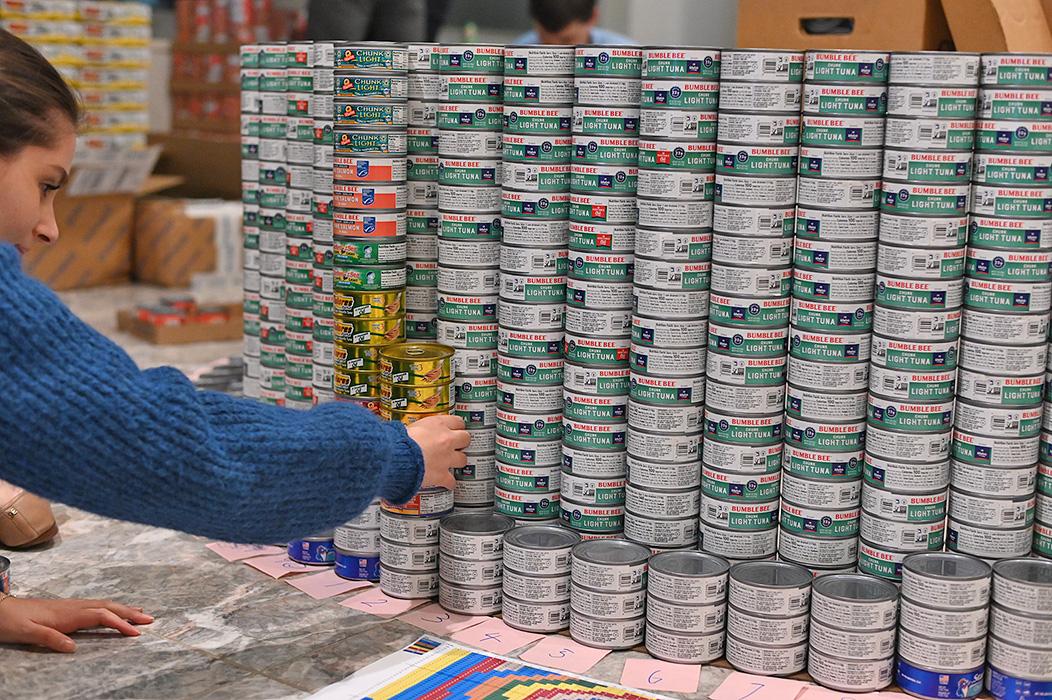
[771, 574]
[947, 565]
[858, 588]
[689, 564]
[611, 552]
[541, 537]
[1036, 572]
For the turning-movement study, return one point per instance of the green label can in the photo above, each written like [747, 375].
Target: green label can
[609, 121]
[1018, 69]
[745, 371]
[1016, 136]
[466, 87]
[683, 246]
[611, 150]
[610, 179]
[371, 87]
[462, 58]
[819, 316]
[533, 289]
[1019, 234]
[819, 464]
[1013, 169]
[846, 67]
[879, 562]
[602, 209]
[753, 160]
[823, 437]
[592, 518]
[422, 167]
[842, 132]
[738, 516]
[1020, 202]
[930, 134]
[526, 478]
[999, 390]
[1016, 297]
[667, 391]
[601, 267]
[747, 342]
[918, 295]
[815, 522]
[356, 278]
[732, 486]
[924, 199]
[455, 307]
[932, 102]
[910, 416]
[743, 430]
[916, 356]
[1015, 104]
[547, 345]
[829, 347]
[681, 62]
[610, 60]
[530, 371]
[594, 409]
[673, 276]
[469, 226]
[521, 148]
[699, 95]
[594, 436]
[927, 166]
[453, 171]
[540, 90]
[550, 121]
[687, 124]
[1004, 265]
[677, 155]
[468, 336]
[526, 506]
[749, 312]
[845, 100]
[549, 206]
[596, 351]
[422, 140]
[529, 426]
[537, 177]
[469, 116]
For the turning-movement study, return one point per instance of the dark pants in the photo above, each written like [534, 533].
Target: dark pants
[367, 20]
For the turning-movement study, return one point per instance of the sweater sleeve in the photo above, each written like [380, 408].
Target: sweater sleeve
[84, 426]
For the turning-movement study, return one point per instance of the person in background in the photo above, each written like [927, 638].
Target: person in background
[367, 20]
[83, 425]
[568, 22]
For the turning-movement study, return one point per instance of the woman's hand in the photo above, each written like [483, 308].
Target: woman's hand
[46, 622]
[442, 439]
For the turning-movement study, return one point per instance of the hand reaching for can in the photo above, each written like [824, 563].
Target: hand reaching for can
[442, 439]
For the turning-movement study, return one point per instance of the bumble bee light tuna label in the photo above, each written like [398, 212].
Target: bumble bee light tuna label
[907, 355]
[746, 342]
[520, 119]
[588, 119]
[829, 347]
[910, 416]
[921, 263]
[584, 407]
[756, 160]
[680, 93]
[596, 436]
[598, 381]
[817, 316]
[994, 452]
[672, 276]
[832, 286]
[911, 386]
[739, 430]
[844, 100]
[1017, 297]
[820, 464]
[1015, 234]
[846, 67]
[934, 134]
[835, 256]
[740, 487]
[667, 391]
[820, 436]
[749, 312]
[814, 522]
[927, 166]
[839, 162]
[842, 132]
[1015, 104]
[741, 517]
[932, 102]
[604, 179]
[1012, 168]
[918, 295]
[1017, 136]
[998, 422]
[1010, 201]
[746, 371]
[832, 225]
[673, 245]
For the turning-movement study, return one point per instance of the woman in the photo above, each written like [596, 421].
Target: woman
[82, 425]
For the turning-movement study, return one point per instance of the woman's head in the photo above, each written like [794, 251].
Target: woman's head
[38, 117]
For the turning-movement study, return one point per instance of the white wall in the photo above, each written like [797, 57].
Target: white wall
[684, 22]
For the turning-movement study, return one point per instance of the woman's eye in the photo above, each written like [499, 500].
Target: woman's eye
[46, 188]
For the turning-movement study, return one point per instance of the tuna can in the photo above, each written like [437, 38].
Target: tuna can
[904, 507]
[855, 602]
[469, 600]
[758, 282]
[536, 177]
[932, 102]
[606, 238]
[528, 478]
[595, 351]
[765, 252]
[880, 562]
[539, 506]
[407, 584]
[1014, 104]
[818, 435]
[603, 91]
[533, 261]
[846, 67]
[539, 552]
[907, 356]
[943, 624]
[829, 347]
[540, 589]
[834, 225]
[471, 198]
[740, 342]
[529, 371]
[530, 345]
[814, 405]
[934, 68]
[999, 390]
[594, 436]
[468, 336]
[994, 482]
[585, 407]
[838, 194]
[752, 221]
[926, 683]
[612, 121]
[1023, 585]
[849, 674]
[601, 323]
[918, 295]
[470, 226]
[480, 467]
[679, 305]
[995, 513]
[1019, 136]
[946, 581]
[676, 447]
[930, 134]
[537, 150]
[925, 199]
[542, 317]
[1011, 201]
[1028, 671]
[594, 464]
[607, 60]
[927, 166]
[844, 100]
[668, 391]
[675, 184]
[841, 132]
[673, 245]
[987, 543]
[698, 156]
[609, 150]
[662, 504]
[474, 537]
[679, 647]
[921, 263]
[766, 630]
[409, 558]
[919, 325]
[537, 289]
[901, 536]
[744, 545]
[997, 421]
[900, 446]
[691, 214]
[601, 267]
[466, 116]
[810, 464]
[680, 93]
[688, 124]
[530, 59]
[1022, 628]
[770, 65]
[545, 426]
[470, 572]
[315, 551]
[358, 567]
[536, 205]
[740, 430]
[522, 119]
[656, 475]
[911, 416]
[759, 98]
[529, 232]
[484, 282]
[817, 316]
[746, 400]
[1014, 69]
[587, 491]
[833, 286]
[690, 617]
[353, 539]
[409, 530]
[837, 493]
[949, 656]
[429, 502]
[607, 634]
[535, 616]
[839, 162]
[739, 516]
[466, 87]
[469, 157]
[1012, 169]
[755, 191]
[1026, 331]
[596, 381]
[765, 660]
[607, 605]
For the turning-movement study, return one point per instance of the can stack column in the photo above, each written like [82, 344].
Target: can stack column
[369, 214]
[470, 562]
[1007, 297]
[425, 89]
[538, 94]
[1019, 647]
[469, 175]
[835, 251]
[678, 100]
[598, 316]
[273, 198]
[768, 616]
[753, 218]
[536, 586]
[251, 120]
[322, 111]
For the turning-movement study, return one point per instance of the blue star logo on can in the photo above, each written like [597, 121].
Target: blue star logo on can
[604, 57]
[675, 92]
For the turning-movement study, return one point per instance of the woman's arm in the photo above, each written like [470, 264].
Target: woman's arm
[84, 426]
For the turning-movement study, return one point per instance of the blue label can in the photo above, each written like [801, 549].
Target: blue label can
[316, 551]
[923, 683]
[356, 567]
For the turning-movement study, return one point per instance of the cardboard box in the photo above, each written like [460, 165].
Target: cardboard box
[128, 321]
[999, 25]
[169, 246]
[887, 25]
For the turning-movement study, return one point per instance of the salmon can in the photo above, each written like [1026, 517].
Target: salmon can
[932, 102]
[839, 162]
[529, 478]
[759, 97]
[931, 134]
[659, 419]
[529, 232]
[547, 206]
[835, 225]
[755, 191]
[758, 221]
[348, 223]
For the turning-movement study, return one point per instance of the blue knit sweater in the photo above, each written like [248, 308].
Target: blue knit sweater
[82, 425]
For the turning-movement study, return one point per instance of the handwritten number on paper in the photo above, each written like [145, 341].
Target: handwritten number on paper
[373, 603]
[561, 654]
[654, 678]
[757, 687]
[491, 637]
[437, 619]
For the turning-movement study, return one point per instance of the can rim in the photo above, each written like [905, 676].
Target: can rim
[945, 565]
[855, 588]
[1032, 572]
[611, 552]
[689, 564]
[771, 574]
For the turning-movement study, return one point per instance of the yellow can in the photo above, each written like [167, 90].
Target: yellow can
[409, 417]
[356, 358]
[418, 364]
[355, 384]
[368, 330]
[408, 397]
[381, 304]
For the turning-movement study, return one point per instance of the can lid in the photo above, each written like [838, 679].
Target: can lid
[858, 588]
[1037, 572]
[484, 523]
[689, 563]
[950, 565]
[541, 537]
[611, 552]
[417, 351]
[771, 574]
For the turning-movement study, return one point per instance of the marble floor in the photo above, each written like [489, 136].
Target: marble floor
[222, 630]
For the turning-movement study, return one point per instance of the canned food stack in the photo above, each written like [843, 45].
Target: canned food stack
[369, 213]
[673, 246]
[768, 617]
[835, 251]
[602, 209]
[538, 97]
[943, 613]
[608, 593]
[357, 546]
[273, 198]
[409, 544]
[686, 607]
[322, 110]
[299, 224]
[1007, 296]
[852, 638]
[422, 216]
[251, 122]
[536, 587]
[759, 112]
[1019, 648]
[469, 115]
[470, 562]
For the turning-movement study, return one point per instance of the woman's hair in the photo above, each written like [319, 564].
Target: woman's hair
[31, 94]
